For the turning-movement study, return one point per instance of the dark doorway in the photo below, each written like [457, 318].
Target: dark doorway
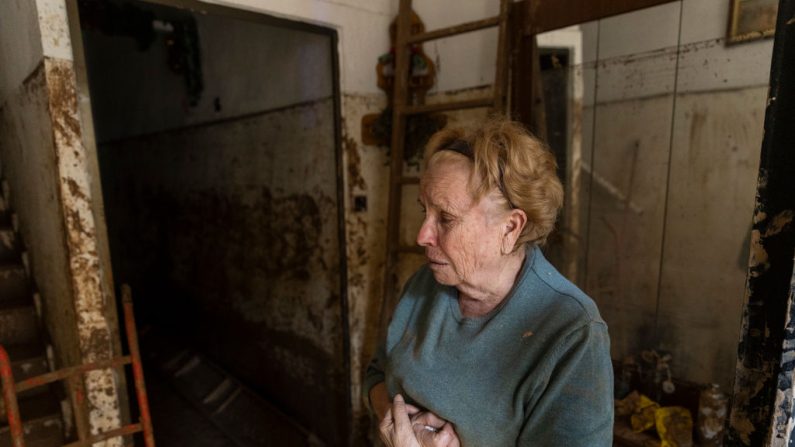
[217, 133]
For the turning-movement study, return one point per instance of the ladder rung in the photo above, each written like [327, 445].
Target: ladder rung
[416, 249]
[409, 180]
[453, 30]
[445, 106]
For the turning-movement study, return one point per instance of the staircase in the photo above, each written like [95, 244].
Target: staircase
[22, 336]
[222, 402]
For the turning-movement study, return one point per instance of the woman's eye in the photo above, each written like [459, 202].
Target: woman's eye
[445, 218]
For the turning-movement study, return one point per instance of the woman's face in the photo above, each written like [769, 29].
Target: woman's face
[462, 238]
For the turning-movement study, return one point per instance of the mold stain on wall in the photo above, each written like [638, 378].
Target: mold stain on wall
[230, 230]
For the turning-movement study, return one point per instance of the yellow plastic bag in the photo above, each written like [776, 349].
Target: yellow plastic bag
[675, 426]
[643, 417]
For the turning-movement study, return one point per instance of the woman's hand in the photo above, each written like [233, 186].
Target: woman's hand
[433, 431]
[395, 428]
[426, 430]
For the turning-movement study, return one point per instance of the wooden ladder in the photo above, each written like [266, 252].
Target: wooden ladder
[401, 110]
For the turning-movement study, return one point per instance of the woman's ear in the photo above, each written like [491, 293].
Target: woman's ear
[514, 225]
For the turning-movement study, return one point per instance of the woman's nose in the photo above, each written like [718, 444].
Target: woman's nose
[426, 237]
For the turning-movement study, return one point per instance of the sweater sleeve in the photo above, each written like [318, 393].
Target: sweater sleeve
[576, 406]
[374, 374]
[416, 286]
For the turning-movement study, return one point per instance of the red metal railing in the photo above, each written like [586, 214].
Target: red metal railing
[73, 375]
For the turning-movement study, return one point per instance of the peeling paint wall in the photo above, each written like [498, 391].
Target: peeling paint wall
[45, 162]
[783, 423]
[26, 151]
[671, 129]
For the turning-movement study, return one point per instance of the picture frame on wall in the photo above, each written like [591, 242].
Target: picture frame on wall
[751, 20]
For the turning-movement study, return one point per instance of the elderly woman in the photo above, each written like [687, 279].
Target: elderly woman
[489, 344]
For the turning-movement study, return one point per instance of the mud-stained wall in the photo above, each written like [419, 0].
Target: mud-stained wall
[229, 233]
[671, 133]
[26, 151]
[46, 165]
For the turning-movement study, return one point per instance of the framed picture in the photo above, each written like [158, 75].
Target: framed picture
[751, 19]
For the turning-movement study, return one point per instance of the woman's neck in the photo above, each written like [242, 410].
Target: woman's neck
[478, 300]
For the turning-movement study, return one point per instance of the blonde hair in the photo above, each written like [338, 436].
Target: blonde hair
[509, 159]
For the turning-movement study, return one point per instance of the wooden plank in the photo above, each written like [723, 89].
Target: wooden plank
[521, 73]
[454, 30]
[446, 106]
[539, 109]
[399, 98]
[501, 77]
[547, 15]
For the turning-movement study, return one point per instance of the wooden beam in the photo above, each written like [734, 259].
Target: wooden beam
[454, 30]
[447, 106]
[547, 15]
[521, 74]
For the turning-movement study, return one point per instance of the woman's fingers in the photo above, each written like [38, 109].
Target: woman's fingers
[399, 414]
[450, 436]
[424, 429]
[412, 410]
[428, 418]
[431, 437]
[387, 427]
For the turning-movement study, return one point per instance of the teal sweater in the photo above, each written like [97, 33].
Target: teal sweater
[535, 371]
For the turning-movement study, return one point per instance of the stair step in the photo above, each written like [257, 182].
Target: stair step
[28, 361]
[9, 245]
[42, 423]
[34, 407]
[14, 283]
[18, 323]
[227, 403]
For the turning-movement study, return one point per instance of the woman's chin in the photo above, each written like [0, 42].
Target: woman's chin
[441, 273]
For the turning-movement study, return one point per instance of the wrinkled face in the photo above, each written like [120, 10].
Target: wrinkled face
[462, 238]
